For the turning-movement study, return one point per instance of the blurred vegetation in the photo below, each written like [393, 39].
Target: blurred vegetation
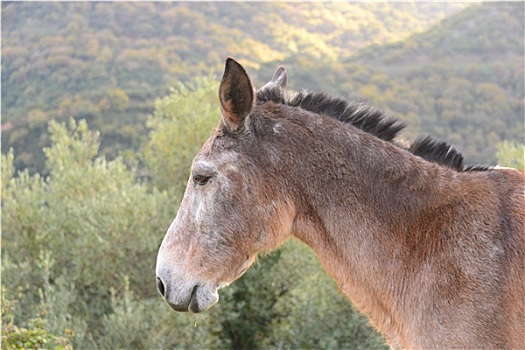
[458, 77]
[106, 62]
[461, 81]
[83, 211]
[511, 154]
[36, 337]
[182, 121]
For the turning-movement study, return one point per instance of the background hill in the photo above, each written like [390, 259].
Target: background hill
[108, 61]
[462, 80]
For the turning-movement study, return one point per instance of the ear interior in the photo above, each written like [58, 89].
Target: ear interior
[236, 95]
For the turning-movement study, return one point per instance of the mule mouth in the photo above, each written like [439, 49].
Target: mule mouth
[203, 298]
[179, 307]
[200, 298]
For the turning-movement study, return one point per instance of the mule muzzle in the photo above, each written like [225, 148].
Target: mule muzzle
[184, 297]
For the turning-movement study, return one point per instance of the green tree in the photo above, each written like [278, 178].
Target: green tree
[33, 337]
[71, 237]
[118, 99]
[180, 124]
[511, 154]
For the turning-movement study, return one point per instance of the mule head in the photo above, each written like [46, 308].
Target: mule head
[229, 212]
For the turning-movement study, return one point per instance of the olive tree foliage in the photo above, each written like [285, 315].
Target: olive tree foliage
[180, 124]
[79, 250]
[511, 154]
[86, 214]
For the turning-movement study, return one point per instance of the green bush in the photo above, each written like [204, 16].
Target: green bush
[180, 124]
[71, 237]
[511, 154]
[32, 337]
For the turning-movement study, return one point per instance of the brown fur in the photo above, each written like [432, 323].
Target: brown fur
[434, 257]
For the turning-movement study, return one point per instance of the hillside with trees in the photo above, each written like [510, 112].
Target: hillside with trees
[108, 61]
[465, 79]
[461, 81]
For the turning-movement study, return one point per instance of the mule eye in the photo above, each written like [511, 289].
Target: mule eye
[201, 179]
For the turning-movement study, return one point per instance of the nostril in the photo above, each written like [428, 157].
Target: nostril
[160, 286]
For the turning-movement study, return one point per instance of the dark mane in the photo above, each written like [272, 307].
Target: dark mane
[363, 116]
[359, 114]
[478, 167]
[437, 151]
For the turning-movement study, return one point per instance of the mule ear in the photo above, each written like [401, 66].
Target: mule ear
[280, 78]
[236, 95]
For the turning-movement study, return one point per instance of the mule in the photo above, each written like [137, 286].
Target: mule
[431, 252]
